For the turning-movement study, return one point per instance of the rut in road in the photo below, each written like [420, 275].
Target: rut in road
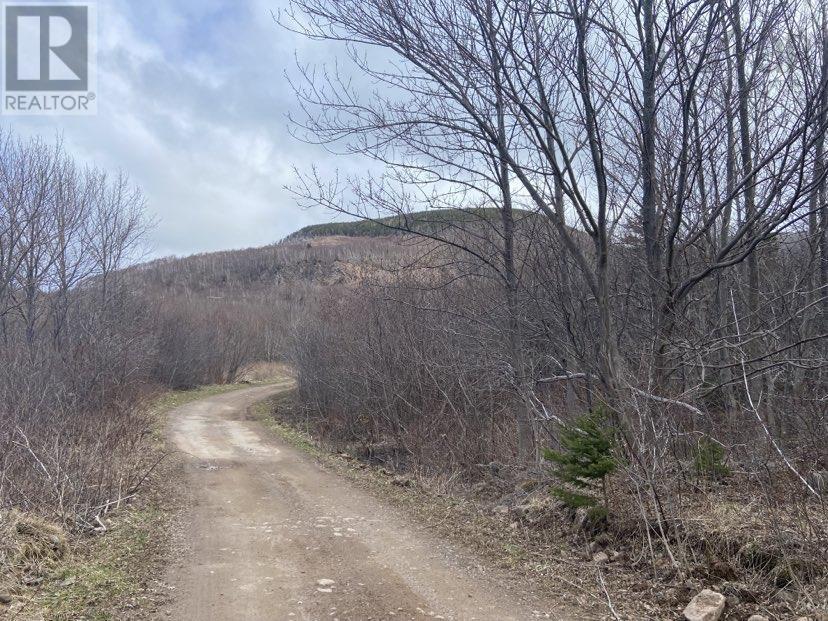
[273, 536]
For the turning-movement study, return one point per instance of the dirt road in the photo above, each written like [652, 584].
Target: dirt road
[273, 536]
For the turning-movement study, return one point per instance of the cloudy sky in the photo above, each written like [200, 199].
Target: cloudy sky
[192, 103]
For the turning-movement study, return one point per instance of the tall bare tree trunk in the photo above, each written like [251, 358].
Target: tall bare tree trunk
[727, 216]
[520, 376]
[747, 156]
[648, 159]
[819, 225]
[818, 203]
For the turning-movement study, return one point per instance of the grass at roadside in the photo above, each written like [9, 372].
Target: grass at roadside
[262, 412]
[109, 571]
[118, 575]
[172, 399]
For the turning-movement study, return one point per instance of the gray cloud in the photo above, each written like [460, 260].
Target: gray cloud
[192, 103]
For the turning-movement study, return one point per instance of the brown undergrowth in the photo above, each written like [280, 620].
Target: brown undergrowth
[720, 536]
[117, 573]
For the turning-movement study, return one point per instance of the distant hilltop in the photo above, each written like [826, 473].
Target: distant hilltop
[427, 222]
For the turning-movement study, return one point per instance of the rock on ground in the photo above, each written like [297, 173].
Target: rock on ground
[707, 605]
[600, 558]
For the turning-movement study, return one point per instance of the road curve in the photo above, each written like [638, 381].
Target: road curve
[270, 535]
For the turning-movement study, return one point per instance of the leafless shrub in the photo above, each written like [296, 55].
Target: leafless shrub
[670, 163]
[75, 345]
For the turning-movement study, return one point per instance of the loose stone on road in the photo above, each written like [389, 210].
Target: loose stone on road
[271, 535]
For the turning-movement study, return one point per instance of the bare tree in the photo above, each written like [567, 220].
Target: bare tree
[622, 154]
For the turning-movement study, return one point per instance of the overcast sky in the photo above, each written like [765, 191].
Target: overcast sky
[192, 103]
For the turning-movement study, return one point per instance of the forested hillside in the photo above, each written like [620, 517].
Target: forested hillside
[402, 348]
[430, 223]
[577, 289]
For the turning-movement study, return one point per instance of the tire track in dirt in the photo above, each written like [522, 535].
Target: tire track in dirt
[270, 535]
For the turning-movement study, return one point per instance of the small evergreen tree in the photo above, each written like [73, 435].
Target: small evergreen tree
[709, 460]
[584, 462]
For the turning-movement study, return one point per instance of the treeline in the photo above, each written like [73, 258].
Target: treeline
[430, 223]
[674, 266]
[422, 356]
[84, 343]
[75, 344]
[673, 274]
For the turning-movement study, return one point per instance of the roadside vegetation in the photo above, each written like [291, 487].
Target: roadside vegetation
[51, 571]
[85, 353]
[672, 276]
[84, 347]
[600, 236]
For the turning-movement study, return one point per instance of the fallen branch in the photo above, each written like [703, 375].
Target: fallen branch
[103, 508]
[562, 378]
[606, 594]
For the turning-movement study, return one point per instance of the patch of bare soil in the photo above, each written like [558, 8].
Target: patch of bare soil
[270, 534]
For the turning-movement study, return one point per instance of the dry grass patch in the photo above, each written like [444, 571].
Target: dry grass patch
[725, 539]
[49, 574]
[30, 548]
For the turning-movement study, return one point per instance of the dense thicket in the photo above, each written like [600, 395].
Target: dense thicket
[84, 342]
[674, 269]
[74, 342]
[673, 158]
